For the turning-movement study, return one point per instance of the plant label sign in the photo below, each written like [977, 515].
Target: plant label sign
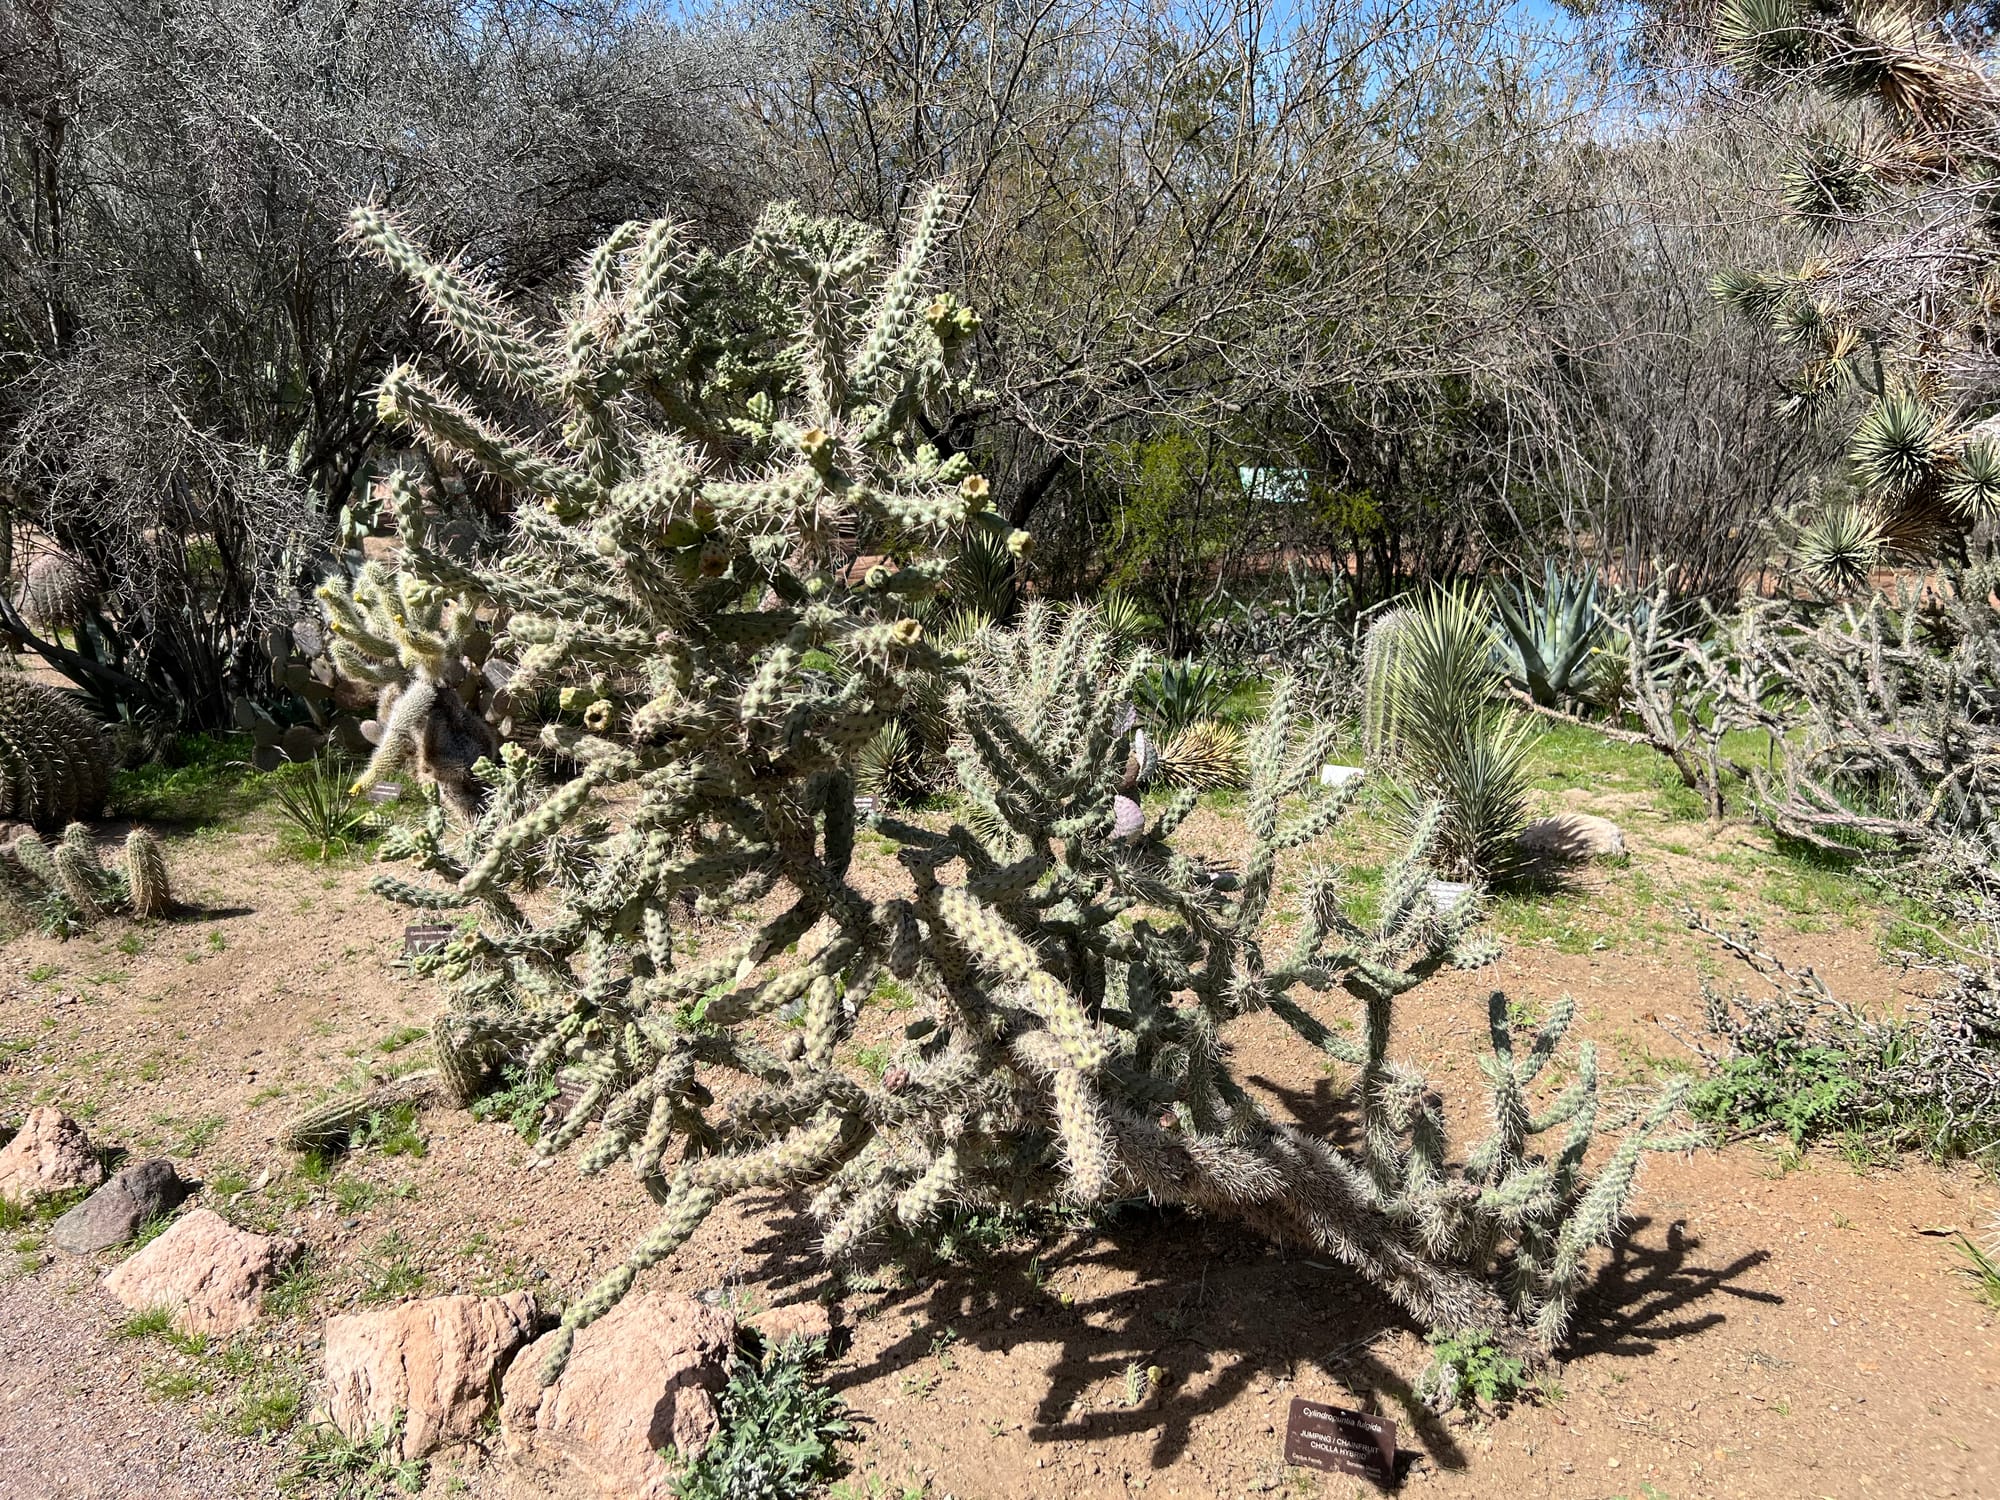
[426, 937]
[866, 806]
[1339, 1441]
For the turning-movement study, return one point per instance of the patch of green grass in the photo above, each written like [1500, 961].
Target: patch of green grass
[197, 1134]
[292, 1290]
[353, 1195]
[781, 1425]
[401, 1037]
[178, 1384]
[330, 1460]
[150, 1230]
[132, 944]
[43, 973]
[267, 1404]
[148, 1323]
[200, 780]
[388, 1274]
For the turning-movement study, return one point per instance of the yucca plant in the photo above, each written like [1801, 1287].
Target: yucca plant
[1884, 318]
[1838, 547]
[324, 817]
[1434, 720]
[1549, 635]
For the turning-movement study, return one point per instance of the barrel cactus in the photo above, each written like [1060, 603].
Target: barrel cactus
[57, 592]
[54, 764]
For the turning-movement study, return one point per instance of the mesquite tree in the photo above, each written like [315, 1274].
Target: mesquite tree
[727, 540]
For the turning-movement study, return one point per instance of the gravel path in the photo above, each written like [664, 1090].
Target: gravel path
[75, 1421]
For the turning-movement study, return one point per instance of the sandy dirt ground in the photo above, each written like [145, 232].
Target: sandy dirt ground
[1765, 1329]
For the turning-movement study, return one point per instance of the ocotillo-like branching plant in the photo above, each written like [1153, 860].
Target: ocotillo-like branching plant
[737, 476]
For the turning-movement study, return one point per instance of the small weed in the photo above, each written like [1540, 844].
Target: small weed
[43, 973]
[267, 1405]
[388, 1274]
[132, 944]
[520, 1101]
[353, 1195]
[356, 1467]
[177, 1384]
[291, 1291]
[217, 943]
[151, 1230]
[197, 1134]
[225, 1183]
[400, 1038]
[393, 1133]
[1469, 1365]
[148, 1323]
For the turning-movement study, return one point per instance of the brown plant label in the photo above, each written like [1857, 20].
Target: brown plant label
[1339, 1441]
[426, 937]
[867, 806]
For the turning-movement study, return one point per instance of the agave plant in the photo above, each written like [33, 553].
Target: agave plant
[1434, 721]
[1181, 693]
[1549, 635]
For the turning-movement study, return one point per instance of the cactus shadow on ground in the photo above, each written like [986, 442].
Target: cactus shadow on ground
[1228, 1317]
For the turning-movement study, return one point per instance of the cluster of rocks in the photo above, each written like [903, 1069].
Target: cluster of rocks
[640, 1382]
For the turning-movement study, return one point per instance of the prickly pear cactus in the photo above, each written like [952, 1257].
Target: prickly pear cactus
[54, 766]
[733, 527]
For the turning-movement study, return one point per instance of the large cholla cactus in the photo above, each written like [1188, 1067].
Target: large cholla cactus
[740, 526]
[1887, 718]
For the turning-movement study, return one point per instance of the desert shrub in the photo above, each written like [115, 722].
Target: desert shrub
[733, 433]
[1795, 1058]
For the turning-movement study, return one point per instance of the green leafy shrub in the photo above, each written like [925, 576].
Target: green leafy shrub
[781, 1427]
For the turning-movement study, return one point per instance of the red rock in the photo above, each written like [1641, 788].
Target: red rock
[642, 1378]
[212, 1275]
[49, 1154]
[435, 1361]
